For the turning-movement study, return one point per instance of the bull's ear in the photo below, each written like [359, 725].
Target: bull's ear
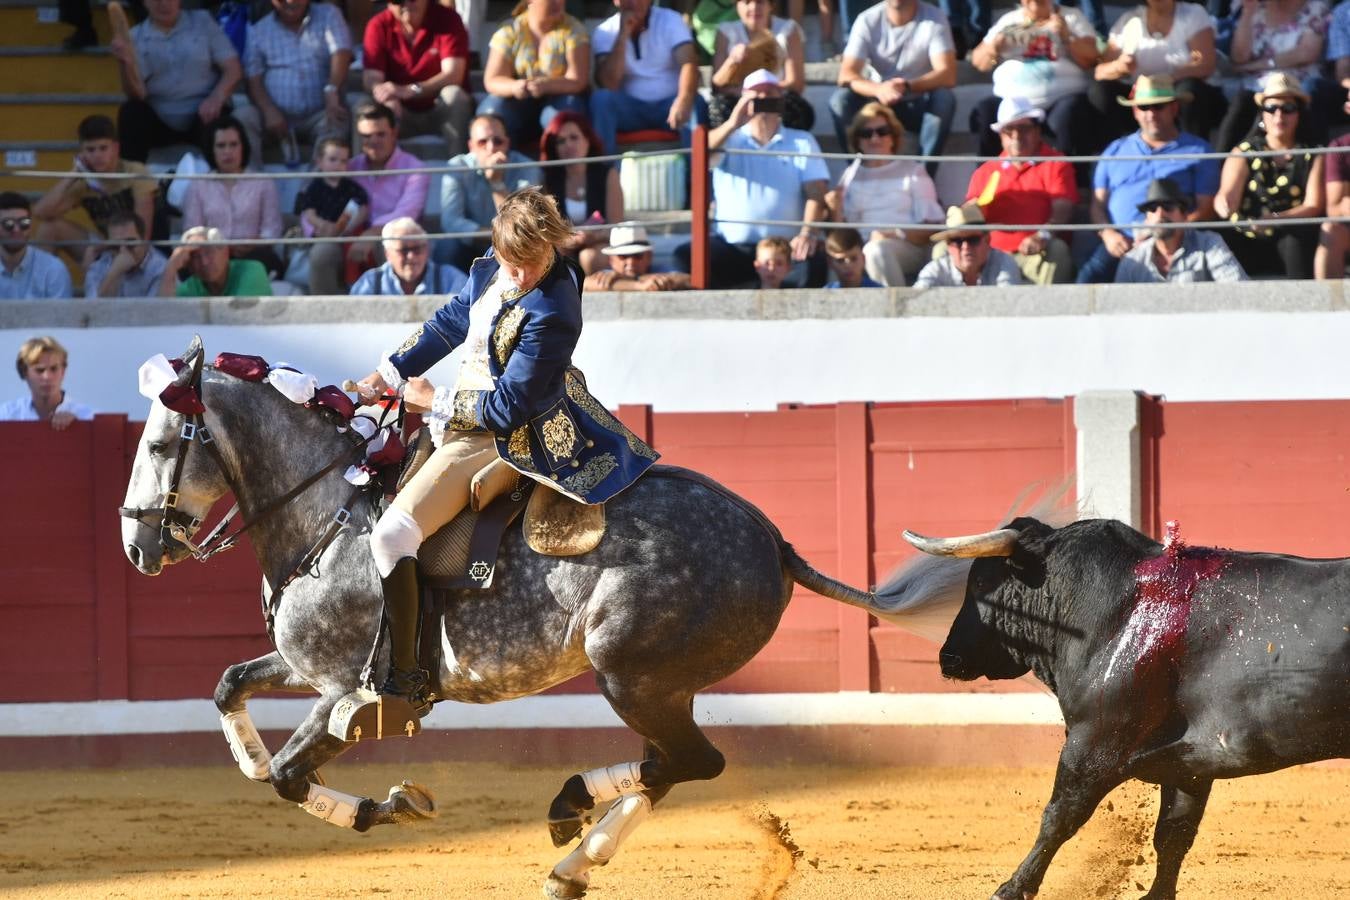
[1027, 561]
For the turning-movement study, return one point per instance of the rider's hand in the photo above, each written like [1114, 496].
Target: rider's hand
[372, 388]
[418, 394]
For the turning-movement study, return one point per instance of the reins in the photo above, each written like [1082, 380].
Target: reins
[179, 527]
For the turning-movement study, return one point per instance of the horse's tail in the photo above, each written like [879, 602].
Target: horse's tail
[923, 595]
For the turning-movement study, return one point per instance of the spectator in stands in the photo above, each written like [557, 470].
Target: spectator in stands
[630, 260]
[773, 262]
[1277, 36]
[470, 199]
[408, 269]
[1257, 192]
[42, 366]
[790, 187]
[1180, 255]
[1031, 193]
[1041, 53]
[844, 250]
[1329, 261]
[391, 197]
[296, 60]
[417, 65]
[330, 207]
[178, 72]
[1160, 37]
[1118, 187]
[654, 82]
[127, 266]
[588, 193]
[909, 45]
[213, 272]
[99, 153]
[757, 39]
[969, 261]
[242, 208]
[26, 272]
[1337, 90]
[884, 192]
[539, 64]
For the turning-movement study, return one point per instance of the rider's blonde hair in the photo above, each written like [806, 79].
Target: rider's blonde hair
[529, 228]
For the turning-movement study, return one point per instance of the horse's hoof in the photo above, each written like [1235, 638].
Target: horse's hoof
[557, 888]
[408, 803]
[564, 831]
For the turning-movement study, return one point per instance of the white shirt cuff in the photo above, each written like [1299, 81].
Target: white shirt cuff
[391, 375]
[442, 409]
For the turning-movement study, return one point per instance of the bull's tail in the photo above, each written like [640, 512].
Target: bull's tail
[922, 596]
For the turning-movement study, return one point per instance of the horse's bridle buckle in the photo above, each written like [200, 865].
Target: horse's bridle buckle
[188, 432]
[171, 500]
[342, 516]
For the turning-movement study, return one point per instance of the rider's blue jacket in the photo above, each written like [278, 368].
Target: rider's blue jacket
[546, 424]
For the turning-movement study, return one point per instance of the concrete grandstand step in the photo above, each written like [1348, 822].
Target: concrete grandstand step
[51, 69]
[29, 23]
[51, 117]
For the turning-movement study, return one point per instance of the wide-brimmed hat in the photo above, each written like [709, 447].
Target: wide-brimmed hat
[959, 218]
[1165, 190]
[1153, 90]
[1016, 109]
[627, 239]
[1280, 84]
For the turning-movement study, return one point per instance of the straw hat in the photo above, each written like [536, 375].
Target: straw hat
[627, 239]
[1153, 90]
[1280, 84]
[1016, 109]
[958, 220]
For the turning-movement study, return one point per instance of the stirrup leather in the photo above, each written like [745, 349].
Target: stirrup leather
[366, 715]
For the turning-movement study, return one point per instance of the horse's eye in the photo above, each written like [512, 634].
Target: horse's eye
[156, 447]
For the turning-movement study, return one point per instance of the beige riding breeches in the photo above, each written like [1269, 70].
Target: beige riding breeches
[440, 489]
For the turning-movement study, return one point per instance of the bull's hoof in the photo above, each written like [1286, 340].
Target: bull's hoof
[558, 888]
[564, 831]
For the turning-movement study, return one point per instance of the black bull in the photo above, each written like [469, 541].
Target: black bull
[1173, 665]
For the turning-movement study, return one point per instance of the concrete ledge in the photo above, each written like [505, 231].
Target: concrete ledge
[892, 303]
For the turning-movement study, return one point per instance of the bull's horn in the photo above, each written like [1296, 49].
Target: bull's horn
[991, 543]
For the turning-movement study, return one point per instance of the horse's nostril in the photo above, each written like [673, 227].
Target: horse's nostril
[134, 554]
[948, 660]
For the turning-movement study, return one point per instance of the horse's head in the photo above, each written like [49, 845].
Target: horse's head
[159, 516]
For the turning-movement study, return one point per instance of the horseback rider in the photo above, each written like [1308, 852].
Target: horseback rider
[516, 398]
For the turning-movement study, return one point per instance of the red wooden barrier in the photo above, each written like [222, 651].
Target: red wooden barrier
[841, 482]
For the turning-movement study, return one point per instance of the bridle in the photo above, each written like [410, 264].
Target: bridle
[179, 527]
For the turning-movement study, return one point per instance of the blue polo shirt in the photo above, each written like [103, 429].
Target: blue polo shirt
[436, 280]
[39, 275]
[764, 187]
[1127, 181]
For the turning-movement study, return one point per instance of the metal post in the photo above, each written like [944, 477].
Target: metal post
[699, 200]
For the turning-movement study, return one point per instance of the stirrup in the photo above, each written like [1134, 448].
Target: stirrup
[366, 715]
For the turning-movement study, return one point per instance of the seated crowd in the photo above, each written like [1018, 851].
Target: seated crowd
[1141, 97]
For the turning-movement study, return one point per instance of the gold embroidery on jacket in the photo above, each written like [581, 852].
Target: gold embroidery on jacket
[506, 334]
[465, 416]
[581, 397]
[518, 448]
[591, 474]
[559, 435]
[411, 341]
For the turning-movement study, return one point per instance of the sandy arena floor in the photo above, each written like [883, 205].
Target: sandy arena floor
[880, 833]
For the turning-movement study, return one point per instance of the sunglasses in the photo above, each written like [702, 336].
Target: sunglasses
[1165, 205]
[879, 131]
[16, 224]
[1287, 108]
[966, 239]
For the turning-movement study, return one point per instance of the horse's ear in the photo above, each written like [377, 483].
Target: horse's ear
[190, 355]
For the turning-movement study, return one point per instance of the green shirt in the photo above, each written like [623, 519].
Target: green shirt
[247, 278]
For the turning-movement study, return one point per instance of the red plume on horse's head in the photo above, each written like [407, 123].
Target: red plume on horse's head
[172, 381]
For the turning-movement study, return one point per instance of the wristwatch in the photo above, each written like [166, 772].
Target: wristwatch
[330, 89]
[416, 89]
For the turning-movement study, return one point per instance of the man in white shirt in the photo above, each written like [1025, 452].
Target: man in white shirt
[651, 80]
[42, 365]
[969, 260]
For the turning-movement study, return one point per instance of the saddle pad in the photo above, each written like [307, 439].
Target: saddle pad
[557, 525]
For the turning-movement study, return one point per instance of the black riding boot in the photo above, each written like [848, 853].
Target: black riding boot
[406, 679]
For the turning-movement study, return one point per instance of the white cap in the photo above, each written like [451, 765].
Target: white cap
[758, 78]
[627, 239]
[1015, 109]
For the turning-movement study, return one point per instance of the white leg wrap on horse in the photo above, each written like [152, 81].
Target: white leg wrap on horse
[332, 806]
[613, 782]
[599, 846]
[246, 745]
[396, 535]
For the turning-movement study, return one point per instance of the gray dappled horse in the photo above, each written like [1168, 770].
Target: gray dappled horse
[688, 584]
